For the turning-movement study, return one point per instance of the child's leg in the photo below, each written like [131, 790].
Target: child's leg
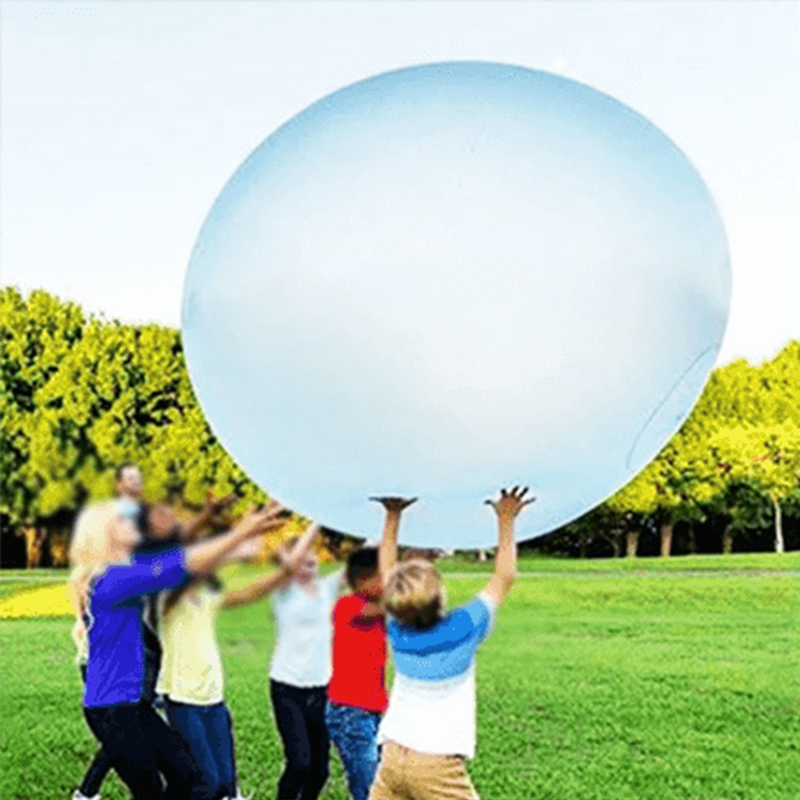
[220, 734]
[436, 777]
[96, 774]
[288, 703]
[355, 732]
[100, 766]
[193, 724]
[124, 737]
[390, 781]
[317, 700]
[183, 772]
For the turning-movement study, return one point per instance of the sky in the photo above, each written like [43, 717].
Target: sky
[122, 122]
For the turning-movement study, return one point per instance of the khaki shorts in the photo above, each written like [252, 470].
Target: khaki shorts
[406, 774]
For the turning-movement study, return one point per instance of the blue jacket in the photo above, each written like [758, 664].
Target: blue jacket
[115, 672]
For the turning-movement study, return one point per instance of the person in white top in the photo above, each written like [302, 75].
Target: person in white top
[301, 669]
[429, 728]
[191, 678]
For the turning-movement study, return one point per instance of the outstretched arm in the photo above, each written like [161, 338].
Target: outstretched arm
[207, 556]
[213, 507]
[290, 559]
[387, 552]
[259, 588]
[505, 563]
[371, 611]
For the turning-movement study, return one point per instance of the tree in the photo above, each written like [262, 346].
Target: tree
[764, 456]
[745, 506]
[80, 395]
[34, 336]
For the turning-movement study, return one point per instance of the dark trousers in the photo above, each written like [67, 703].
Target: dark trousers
[96, 774]
[142, 748]
[101, 764]
[300, 716]
[209, 732]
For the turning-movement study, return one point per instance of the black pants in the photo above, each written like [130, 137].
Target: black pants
[142, 748]
[101, 764]
[96, 774]
[300, 716]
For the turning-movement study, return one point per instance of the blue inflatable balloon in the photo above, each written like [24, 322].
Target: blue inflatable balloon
[451, 278]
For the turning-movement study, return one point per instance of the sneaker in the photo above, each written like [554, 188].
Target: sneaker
[79, 795]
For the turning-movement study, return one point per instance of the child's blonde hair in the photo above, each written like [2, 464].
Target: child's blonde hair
[89, 554]
[415, 594]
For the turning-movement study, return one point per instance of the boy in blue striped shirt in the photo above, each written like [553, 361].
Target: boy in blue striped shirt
[429, 729]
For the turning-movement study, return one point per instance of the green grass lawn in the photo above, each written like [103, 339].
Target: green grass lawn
[739, 562]
[642, 683]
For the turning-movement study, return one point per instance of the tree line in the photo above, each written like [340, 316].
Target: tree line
[80, 394]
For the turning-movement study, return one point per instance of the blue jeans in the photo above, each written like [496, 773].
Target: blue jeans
[209, 732]
[355, 734]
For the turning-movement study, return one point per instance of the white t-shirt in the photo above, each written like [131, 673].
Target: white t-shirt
[432, 702]
[305, 631]
[191, 666]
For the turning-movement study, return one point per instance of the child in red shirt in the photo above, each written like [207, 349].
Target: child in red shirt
[357, 691]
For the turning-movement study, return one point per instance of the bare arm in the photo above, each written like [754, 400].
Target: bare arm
[212, 508]
[387, 552]
[205, 557]
[505, 563]
[371, 611]
[256, 590]
[290, 559]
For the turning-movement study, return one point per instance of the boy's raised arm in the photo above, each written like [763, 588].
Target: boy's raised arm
[387, 552]
[505, 563]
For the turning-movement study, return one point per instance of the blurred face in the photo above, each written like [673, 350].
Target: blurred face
[162, 523]
[129, 483]
[308, 569]
[123, 537]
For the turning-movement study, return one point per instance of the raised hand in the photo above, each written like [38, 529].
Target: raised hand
[207, 556]
[394, 505]
[216, 504]
[510, 503]
[387, 551]
[258, 522]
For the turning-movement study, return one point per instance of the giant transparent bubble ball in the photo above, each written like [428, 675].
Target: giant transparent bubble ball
[451, 278]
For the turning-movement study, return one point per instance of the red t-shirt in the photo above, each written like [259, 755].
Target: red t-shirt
[359, 657]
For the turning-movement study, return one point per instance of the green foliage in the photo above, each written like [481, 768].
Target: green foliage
[745, 503]
[82, 395]
[745, 432]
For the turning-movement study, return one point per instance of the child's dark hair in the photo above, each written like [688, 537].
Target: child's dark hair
[362, 564]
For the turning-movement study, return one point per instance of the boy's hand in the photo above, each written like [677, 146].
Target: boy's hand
[510, 504]
[394, 505]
